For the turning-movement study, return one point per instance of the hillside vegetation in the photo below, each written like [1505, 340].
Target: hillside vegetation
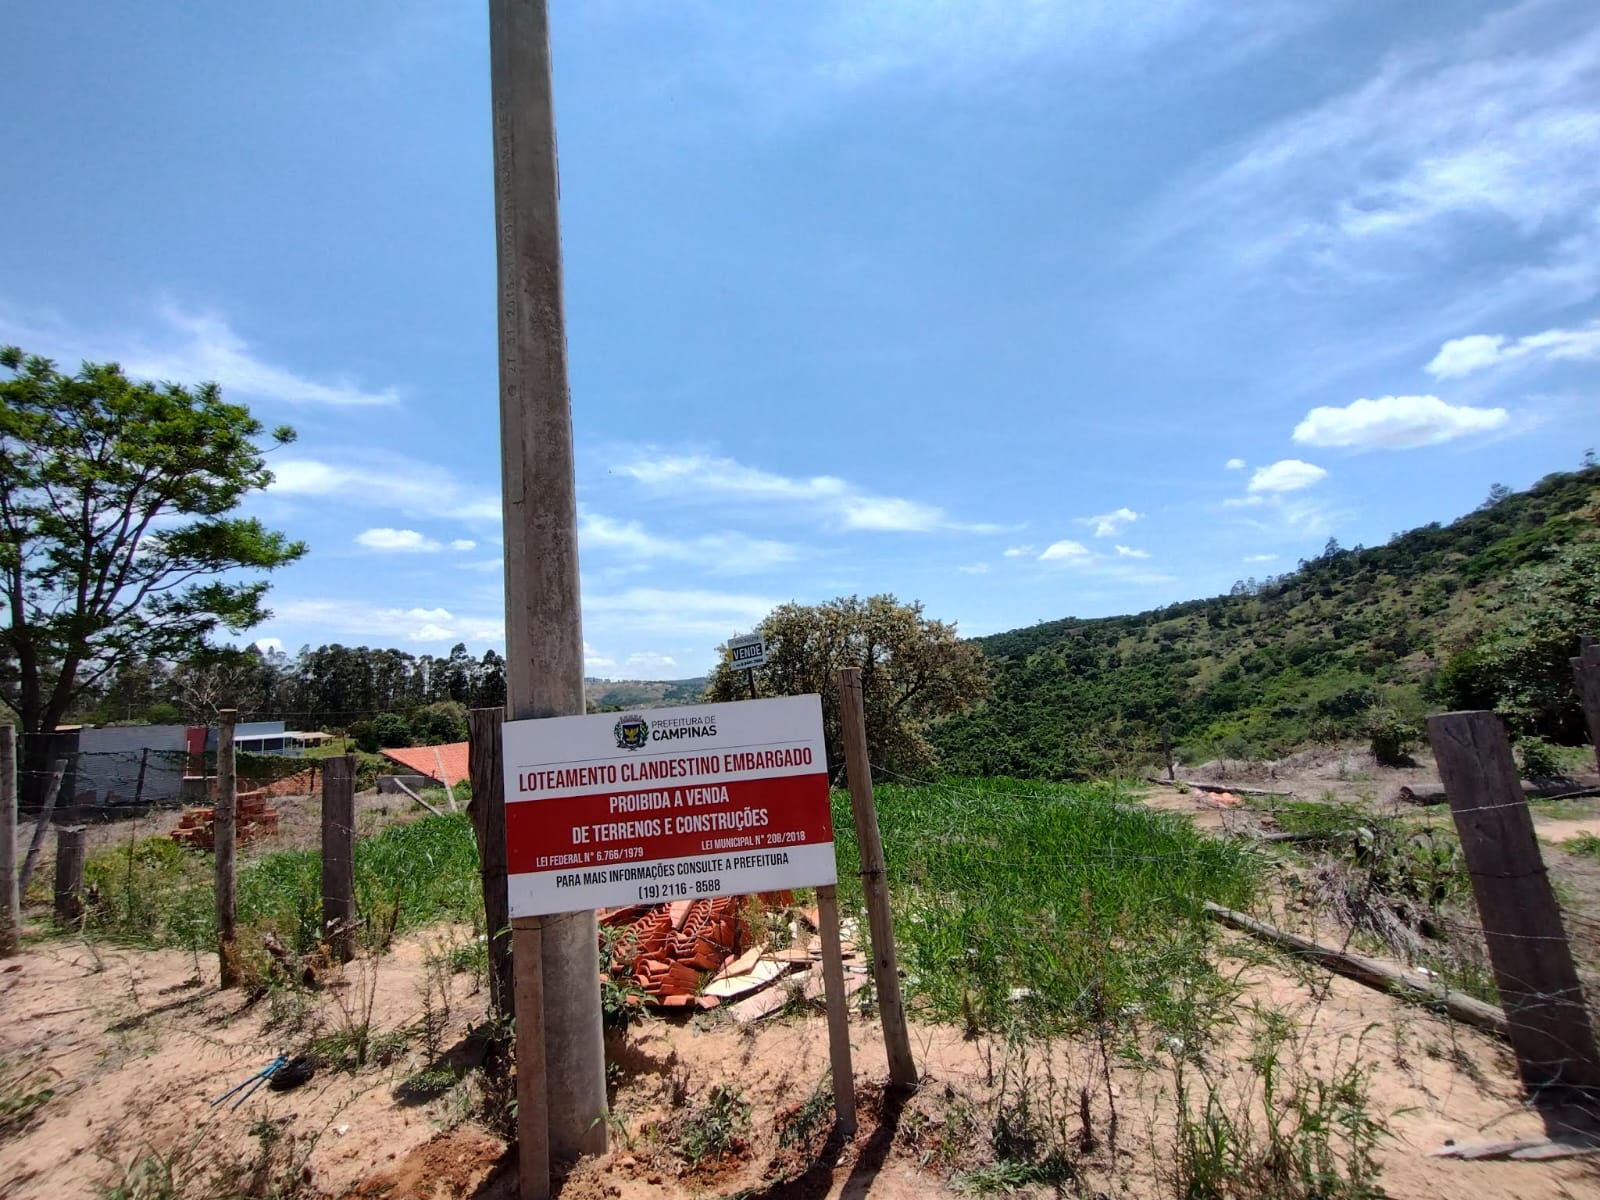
[605, 694]
[1482, 612]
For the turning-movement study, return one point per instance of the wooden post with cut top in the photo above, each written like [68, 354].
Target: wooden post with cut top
[72, 843]
[1533, 969]
[1586, 674]
[223, 830]
[487, 808]
[10, 898]
[339, 854]
[874, 882]
[561, 1074]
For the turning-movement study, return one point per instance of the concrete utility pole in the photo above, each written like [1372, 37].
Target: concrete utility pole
[544, 632]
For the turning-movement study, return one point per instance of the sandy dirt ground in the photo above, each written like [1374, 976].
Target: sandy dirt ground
[137, 1045]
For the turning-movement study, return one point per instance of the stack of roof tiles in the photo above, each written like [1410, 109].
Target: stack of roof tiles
[252, 819]
[666, 947]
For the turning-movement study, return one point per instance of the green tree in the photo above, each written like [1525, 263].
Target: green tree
[1522, 666]
[116, 542]
[914, 670]
[386, 731]
[440, 723]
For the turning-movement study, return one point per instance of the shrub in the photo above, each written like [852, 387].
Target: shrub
[1391, 737]
[1539, 758]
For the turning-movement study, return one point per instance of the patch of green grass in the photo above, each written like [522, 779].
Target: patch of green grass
[1048, 907]
[1585, 845]
[154, 893]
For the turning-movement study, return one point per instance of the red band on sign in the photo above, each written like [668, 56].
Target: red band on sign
[686, 821]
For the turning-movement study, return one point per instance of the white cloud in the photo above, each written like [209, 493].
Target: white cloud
[594, 660]
[207, 349]
[702, 478]
[731, 553]
[325, 619]
[1234, 464]
[1110, 524]
[650, 661]
[1018, 551]
[397, 541]
[1285, 475]
[385, 481]
[1260, 558]
[1066, 551]
[463, 544]
[789, 63]
[978, 568]
[1463, 356]
[694, 615]
[1458, 148]
[1130, 552]
[1395, 423]
[267, 644]
[188, 348]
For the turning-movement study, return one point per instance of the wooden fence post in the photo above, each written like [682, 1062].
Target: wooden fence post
[339, 854]
[36, 843]
[10, 896]
[1586, 673]
[874, 883]
[1533, 969]
[844, 1078]
[487, 808]
[71, 847]
[224, 830]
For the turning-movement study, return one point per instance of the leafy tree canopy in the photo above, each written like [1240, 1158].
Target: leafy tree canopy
[913, 670]
[116, 541]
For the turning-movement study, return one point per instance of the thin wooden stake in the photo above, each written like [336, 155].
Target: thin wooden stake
[223, 836]
[533, 1102]
[138, 787]
[1533, 969]
[400, 785]
[844, 1083]
[339, 854]
[487, 808]
[72, 844]
[10, 895]
[874, 882]
[450, 792]
[1586, 674]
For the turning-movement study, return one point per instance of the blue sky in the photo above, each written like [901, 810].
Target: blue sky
[1024, 310]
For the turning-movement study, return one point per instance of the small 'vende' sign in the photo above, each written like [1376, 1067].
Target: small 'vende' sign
[666, 804]
[748, 651]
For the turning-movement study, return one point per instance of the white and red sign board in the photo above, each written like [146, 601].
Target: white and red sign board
[666, 804]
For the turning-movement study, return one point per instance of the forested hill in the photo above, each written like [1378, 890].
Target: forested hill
[1481, 612]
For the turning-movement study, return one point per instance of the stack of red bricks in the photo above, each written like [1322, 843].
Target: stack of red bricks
[669, 949]
[252, 819]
